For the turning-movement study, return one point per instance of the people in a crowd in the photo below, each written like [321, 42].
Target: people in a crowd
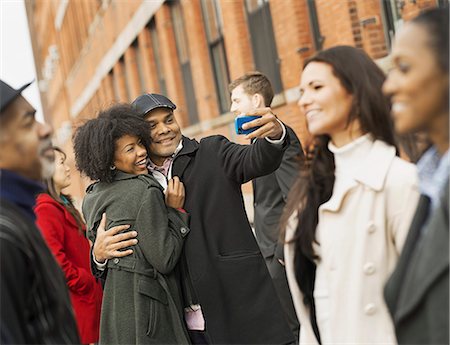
[348, 214]
[417, 294]
[141, 303]
[65, 234]
[35, 305]
[251, 91]
[233, 300]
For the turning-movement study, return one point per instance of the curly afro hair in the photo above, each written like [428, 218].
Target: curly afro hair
[95, 141]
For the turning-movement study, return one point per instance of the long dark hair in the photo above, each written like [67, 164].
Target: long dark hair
[363, 79]
[64, 200]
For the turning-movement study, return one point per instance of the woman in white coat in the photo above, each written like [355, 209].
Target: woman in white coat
[349, 212]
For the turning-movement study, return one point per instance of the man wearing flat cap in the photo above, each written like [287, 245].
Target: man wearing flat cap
[230, 297]
[34, 302]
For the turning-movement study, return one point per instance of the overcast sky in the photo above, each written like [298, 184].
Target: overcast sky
[16, 62]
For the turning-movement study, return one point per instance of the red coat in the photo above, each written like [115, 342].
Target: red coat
[72, 251]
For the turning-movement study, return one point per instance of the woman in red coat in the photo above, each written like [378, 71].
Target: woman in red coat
[65, 233]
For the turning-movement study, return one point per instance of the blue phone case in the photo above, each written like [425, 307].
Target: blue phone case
[239, 121]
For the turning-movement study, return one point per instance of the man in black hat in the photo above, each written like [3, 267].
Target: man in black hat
[34, 303]
[231, 297]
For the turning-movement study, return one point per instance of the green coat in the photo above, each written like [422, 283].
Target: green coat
[141, 303]
[417, 293]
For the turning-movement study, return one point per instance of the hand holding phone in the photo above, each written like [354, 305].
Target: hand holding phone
[240, 120]
[269, 128]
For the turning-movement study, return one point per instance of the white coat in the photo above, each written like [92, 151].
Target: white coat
[361, 231]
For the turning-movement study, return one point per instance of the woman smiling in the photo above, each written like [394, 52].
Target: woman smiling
[65, 234]
[141, 302]
[417, 294]
[349, 212]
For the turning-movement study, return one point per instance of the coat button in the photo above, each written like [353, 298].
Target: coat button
[183, 230]
[371, 228]
[370, 309]
[116, 260]
[369, 268]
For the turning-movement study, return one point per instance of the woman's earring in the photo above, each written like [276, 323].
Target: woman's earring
[112, 167]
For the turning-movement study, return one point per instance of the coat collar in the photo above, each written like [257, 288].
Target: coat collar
[120, 175]
[182, 159]
[371, 173]
[189, 146]
[45, 198]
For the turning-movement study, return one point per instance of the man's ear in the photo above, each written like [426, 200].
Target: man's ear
[258, 100]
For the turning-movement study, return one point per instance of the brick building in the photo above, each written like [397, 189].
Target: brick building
[92, 53]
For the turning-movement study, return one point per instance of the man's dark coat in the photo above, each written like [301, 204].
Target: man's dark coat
[228, 272]
[270, 194]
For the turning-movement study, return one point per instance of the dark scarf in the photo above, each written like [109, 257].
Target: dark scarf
[20, 191]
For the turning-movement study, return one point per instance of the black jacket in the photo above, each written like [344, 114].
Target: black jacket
[270, 194]
[34, 302]
[228, 273]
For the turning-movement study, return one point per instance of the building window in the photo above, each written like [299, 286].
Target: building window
[157, 56]
[126, 78]
[392, 19]
[140, 69]
[183, 57]
[214, 34]
[263, 41]
[120, 81]
[314, 25]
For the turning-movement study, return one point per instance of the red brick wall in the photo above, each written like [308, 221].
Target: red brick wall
[148, 61]
[170, 62]
[291, 29]
[205, 91]
[335, 23]
[89, 30]
[372, 32]
[236, 37]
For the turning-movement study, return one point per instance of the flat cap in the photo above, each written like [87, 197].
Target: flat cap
[145, 103]
[9, 94]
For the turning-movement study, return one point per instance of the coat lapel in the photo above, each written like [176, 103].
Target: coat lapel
[339, 192]
[371, 173]
[428, 261]
[183, 158]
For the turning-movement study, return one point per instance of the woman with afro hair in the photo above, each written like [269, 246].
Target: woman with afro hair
[141, 302]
